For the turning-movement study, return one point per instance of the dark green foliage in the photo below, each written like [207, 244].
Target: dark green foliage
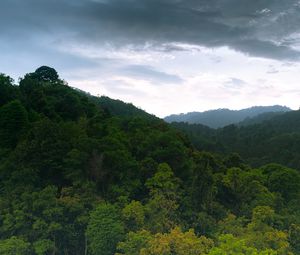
[45, 74]
[13, 122]
[119, 108]
[274, 140]
[83, 175]
[8, 91]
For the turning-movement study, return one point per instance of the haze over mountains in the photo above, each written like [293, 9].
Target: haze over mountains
[222, 117]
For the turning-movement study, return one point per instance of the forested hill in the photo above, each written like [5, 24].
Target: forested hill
[80, 177]
[223, 117]
[264, 139]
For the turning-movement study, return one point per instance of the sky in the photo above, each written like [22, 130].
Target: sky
[164, 56]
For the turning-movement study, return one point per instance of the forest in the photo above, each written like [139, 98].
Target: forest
[85, 175]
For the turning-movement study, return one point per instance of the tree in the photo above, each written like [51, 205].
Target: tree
[134, 215]
[134, 242]
[8, 92]
[202, 187]
[163, 203]
[14, 246]
[41, 247]
[283, 180]
[45, 73]
[294, 237]
[13, 121]
[177, 243]
[230, 245]
[105, 229]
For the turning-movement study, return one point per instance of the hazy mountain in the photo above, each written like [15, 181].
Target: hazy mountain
[223, 117]
[260, 140]
[259, 118]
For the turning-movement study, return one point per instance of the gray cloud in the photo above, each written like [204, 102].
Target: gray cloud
[149, 73]
[258, 27]
[234, 83]
[272, 70]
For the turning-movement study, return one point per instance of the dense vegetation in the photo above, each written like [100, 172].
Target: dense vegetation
[78, 178]
[261, 140]
[224, 117]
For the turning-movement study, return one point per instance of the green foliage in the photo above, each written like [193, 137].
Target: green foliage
[8, 91]
[229, 245]
[163, 203]
[105, 229]
[14, 246]
[178, 243]
[13, 122]
[294, 237]
[134, 242]
[275, 139]
[134, 215]
[42, 247]
[175, 242]
[283, 180]
[83, 175]
[45, 74]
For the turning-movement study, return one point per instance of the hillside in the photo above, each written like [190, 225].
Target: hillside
[224, 117]
[260, 140]
[78, 177]
[260, 118]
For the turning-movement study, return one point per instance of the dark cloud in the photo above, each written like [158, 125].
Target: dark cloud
[21, 57]
[256, 27]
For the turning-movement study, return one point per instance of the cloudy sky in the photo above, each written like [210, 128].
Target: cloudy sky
[165, 56]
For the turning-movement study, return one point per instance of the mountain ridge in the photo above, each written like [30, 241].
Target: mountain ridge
[222, 117]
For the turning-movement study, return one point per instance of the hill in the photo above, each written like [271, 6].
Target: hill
[270, 137]
[80, 178]
[223, 117]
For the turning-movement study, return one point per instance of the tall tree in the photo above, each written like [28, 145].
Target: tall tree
[105, 229]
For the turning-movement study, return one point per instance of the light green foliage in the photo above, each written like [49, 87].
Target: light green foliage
[245, 189]
[163, 183]
[134, 242]
[177, 243]
[163, 203]
[14, 246]
[259, 233]
[229, 245]
[104, 230]
[42, 247]
[134, 215]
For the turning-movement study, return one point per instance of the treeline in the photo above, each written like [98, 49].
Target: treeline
[78, 178]
[261, 140]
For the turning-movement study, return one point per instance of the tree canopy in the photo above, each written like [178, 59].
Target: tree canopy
[86, 175]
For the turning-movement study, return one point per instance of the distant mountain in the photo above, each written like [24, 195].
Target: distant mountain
[260, 140]
[259, 118]
[223, 117]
